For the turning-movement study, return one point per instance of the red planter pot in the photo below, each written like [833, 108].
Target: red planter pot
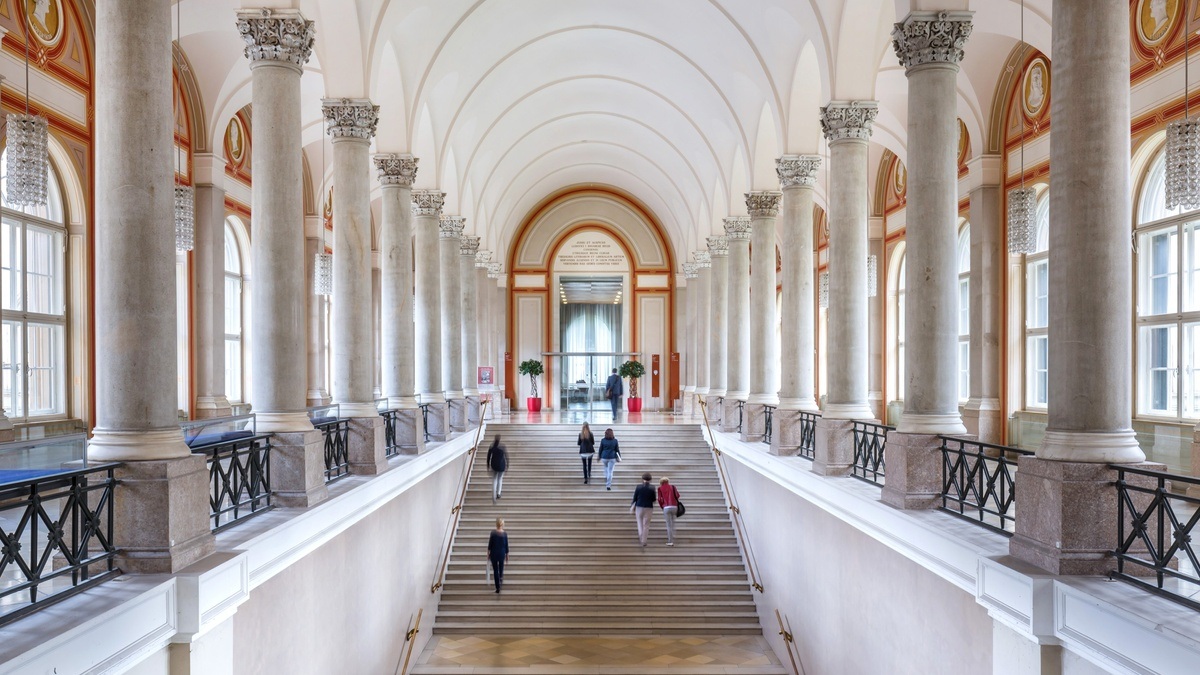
[533, 404]
[635, 404]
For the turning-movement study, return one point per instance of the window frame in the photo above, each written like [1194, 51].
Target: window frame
[963, 354]
[232, 238]
[1034, 372]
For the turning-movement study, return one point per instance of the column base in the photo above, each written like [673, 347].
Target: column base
[877, 405]
[984, 419]
[914, 471]
[754, 423]
[731, 417]
[316, 397]
[787, 432]
[153, 444]
[282, 422]
[402, 402]
[833, 447]
[161, 514]
[763, 399]
[792, 403]
[689, 401]
[473, 410]
[357, 409]
[298, 469]
[1068, 515]
[1112, 447]
[438, 422]
[848, 411]
[716, 410]
[410, 437]
[366, 446]
[458, 414]
[209, 407]
[946, 424]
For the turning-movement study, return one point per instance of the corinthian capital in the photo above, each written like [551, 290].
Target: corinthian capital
[396, 169]
[841, 120]
[468, 245]
[760, 204]
[350, 117]
[689, 270]
[494, 270]
[427, 202]
[703, 259]
[797, 170]
[451, 227]
[279, 35]
[931, 37]
[482, 259]
[737, 228]
[718, 246]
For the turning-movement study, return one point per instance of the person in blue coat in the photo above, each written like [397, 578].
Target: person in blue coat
[614, 389]
[610, 454]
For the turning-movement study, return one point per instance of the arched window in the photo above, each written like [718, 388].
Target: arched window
[964, 313]
[1037, 309]
[33, 271]
[1168, 303]
[234, 282]
[900, 381]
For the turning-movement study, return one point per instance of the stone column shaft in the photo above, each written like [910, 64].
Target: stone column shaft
[318, 393]
[451, 228]
[718, 364]
[797, 174]
[763, 208]
[208, 297]
[427, 310]
[469, 325]
[396, 175]
[737, 233]
[704, 326]
[983, 415]
[689, 339]
[351, 124]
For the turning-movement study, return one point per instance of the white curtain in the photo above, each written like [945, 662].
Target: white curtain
[590, 328]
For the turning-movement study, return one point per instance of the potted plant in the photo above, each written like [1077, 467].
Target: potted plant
[634, 371]
[532, 368]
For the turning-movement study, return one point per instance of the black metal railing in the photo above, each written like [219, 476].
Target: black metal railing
[808, 433]
[390, 447]
[870, 439]
[768, 423]
[978, 482]
[741, 414]
[425, 420]
[337, 443]
[56, 537]
[1155, 529]
[239, 479]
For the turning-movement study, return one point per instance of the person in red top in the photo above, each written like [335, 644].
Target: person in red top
[668, 498]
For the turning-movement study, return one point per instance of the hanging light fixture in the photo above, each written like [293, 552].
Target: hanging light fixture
[823, 290]
[28, 163]
[323, 262]
[1183, 148]
[1022, 202]
[872, 277]
[185, 196]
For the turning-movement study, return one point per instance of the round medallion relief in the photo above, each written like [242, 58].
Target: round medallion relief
[45, 20]
[899, 179]
[1036, 87]
[1155, 18]
[235, 141]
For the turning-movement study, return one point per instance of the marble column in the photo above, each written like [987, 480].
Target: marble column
[690, 342]
[469, 325]
[499, 293]
[350, 124]
[983, 414]
[704, 326]
[847, 129]
[318, 393]
[485, 332]
[763, 207]
[135, 297]
[397, 334]
[737, 234]
[427, 311]
[208, 288]
[797, 175]
[718, 366]
[1068, 504]
[450, 236]
[930, 47]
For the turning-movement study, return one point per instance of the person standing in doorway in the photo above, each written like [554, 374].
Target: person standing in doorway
[497, 462]
[668, 499]
[614, 389]
[610, 454]
[497, 552]
[587, 448]
[642, 505]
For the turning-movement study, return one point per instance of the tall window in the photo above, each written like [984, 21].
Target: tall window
[234, 388]
[900, 285]
[964, 313]
[1168, 304]
[33, 274]
[1037, 310]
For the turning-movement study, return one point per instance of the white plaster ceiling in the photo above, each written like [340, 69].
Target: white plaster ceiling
[684, 104]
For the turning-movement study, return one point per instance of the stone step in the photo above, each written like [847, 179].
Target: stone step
[592, 627]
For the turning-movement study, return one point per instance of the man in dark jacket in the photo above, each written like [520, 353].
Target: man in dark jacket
[497, 463]
[643, 505]
[614, 389]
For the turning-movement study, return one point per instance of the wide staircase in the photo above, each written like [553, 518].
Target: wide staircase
[580, 593]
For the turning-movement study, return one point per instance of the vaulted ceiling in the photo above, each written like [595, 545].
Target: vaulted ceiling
[683, 104]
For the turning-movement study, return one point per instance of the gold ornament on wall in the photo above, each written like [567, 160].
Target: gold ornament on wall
[1155, 19]
[45, 20]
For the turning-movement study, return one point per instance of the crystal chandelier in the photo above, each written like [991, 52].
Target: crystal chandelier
[872, 277]
[1022, 220]
[823, 290]
[323, 274]
[1183, 151]
[185, 218]
[28, 159]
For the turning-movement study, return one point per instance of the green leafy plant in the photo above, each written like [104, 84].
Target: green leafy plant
[532, 368]
[634, 371]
